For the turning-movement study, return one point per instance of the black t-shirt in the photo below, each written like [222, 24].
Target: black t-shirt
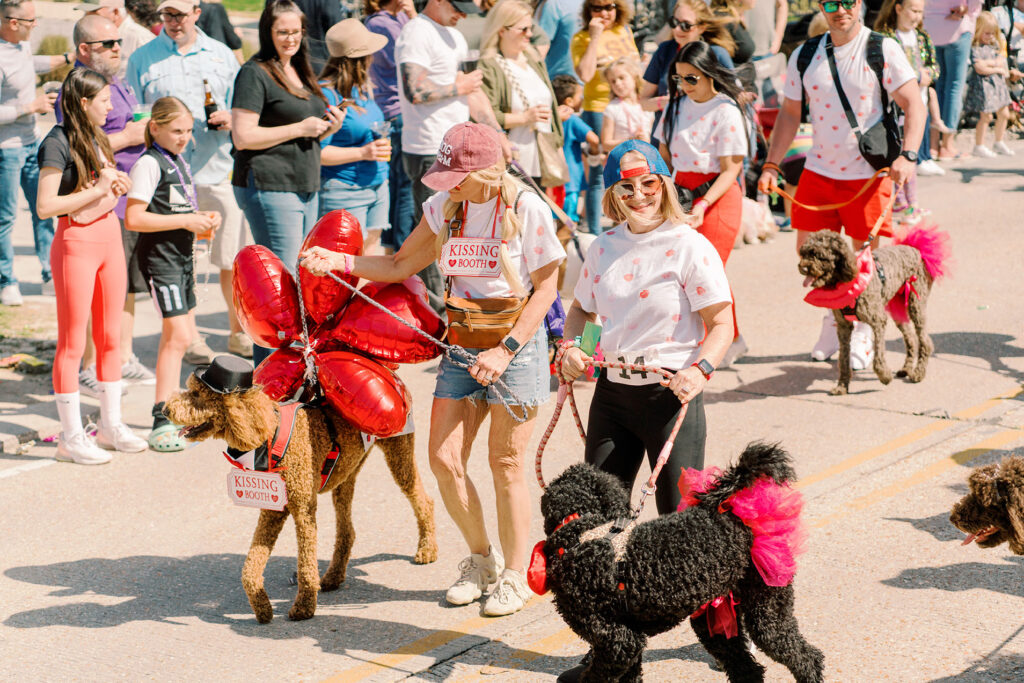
[214, 22]
[159, 181]
[55, 152]
[292, 166]
[744, 43]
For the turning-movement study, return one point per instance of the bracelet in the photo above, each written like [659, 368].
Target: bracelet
[770, 166]
[706, 203]
[349, 263]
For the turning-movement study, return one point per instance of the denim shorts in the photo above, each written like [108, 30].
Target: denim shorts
[369, 205]
[527, 376]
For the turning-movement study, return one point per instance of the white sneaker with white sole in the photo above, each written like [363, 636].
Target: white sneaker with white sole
[930, 168]
[736, 350]
[10, 295]
[81, 449]
[509, 596]
[828, 341]
[477, 572]
[1001, 148]
[862, 346]
[120, 438]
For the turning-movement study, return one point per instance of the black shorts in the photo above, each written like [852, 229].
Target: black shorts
[173, 293]
[165, 259]
[136, 280]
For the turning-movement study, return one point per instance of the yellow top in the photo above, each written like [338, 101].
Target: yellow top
[613, 43]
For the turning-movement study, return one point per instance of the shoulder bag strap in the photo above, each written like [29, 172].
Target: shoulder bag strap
[454, 230]
[876, 60]
[513, 82]
[839, 90]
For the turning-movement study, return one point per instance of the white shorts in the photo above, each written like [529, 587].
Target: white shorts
[233, 233]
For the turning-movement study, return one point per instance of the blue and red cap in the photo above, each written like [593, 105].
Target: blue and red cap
[655, 164]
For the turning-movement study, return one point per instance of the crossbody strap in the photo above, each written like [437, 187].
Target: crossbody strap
[839, 89]
[454, 230]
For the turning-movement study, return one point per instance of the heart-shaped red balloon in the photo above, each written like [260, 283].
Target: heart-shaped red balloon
[280, 374]
[266, 301]
[323, 297]
[364, 392]
[366, 328]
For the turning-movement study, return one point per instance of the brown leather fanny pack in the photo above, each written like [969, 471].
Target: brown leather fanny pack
[482, 323]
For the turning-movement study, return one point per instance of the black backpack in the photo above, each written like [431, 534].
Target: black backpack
[876, 60]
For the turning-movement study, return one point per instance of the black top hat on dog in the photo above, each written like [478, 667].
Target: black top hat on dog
[226, 375]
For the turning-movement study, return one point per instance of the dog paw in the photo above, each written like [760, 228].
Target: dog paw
[332, 581]
[302, 611]
[885, 377]
[261, 608]
[426, 553]
[902, 373]
[838, 390]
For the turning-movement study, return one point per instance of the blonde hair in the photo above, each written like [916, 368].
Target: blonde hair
[509, 189]
[165, 110]
[623, 12]
[503, 15]
[630, 65]
[670, 209]
[715, 29]
[987, 20]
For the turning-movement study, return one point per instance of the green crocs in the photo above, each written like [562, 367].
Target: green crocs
[165, 439]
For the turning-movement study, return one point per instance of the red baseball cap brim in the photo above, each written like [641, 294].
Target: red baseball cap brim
[441, 178]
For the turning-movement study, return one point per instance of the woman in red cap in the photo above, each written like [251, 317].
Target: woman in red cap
[480, 206]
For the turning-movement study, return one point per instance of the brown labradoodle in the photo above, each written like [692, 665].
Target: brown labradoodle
[247, 419]
[903, 278]
[993, 512]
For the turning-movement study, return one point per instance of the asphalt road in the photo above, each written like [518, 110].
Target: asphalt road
[132, 570]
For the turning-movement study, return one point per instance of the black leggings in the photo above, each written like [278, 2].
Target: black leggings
[626, 420]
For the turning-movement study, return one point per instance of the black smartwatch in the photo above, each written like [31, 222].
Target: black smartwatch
[511, 344]
[909, 155]
[705, 368]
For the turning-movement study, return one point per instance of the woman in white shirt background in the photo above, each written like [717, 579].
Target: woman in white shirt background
[703, 138]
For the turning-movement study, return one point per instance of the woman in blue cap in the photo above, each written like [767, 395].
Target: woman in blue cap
[654, 284]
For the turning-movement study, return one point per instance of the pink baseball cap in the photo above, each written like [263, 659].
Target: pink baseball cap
[466, 147]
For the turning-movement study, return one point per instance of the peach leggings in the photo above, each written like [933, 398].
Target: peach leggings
[89, 276]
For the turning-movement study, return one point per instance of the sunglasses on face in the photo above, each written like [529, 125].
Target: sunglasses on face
[519, 29]
[683, 26]
[832, 6]
[626, 190]
[597, 9]
[107, 44]
[689, 79]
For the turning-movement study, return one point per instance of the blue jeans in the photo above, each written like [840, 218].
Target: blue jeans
[279, 221]
[19, 166]
[595, 178]
[369, 205]
[953, 60]
[400, 204]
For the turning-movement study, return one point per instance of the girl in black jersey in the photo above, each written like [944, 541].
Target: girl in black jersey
[162, 206]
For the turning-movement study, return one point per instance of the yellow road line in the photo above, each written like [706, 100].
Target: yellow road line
[552, 643]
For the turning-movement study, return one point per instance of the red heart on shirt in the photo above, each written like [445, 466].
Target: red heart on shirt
[700, 290]
[491, 264]
[644, 294]
[628, 277]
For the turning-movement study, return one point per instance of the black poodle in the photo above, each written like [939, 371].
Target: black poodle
[615, 588]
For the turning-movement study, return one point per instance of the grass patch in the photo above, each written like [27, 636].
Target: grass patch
[54, 44]
[244, 5]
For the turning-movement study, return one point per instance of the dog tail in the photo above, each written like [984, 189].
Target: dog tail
[933, 245]
[759, 460]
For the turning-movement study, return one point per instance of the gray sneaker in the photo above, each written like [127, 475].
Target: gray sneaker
[88, 382]
[476, 574]
[135, 372]
[199, 353]
[509, 596]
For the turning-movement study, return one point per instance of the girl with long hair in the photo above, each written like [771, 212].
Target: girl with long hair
[704, 139]
[988, 92]
[278, 118]
[624, 118]
[475, 188]
[354, 170]
[79, 183]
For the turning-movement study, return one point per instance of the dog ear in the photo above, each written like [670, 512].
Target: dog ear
[982, 482]
[1010, 483]
[846, 261]
[250, 419]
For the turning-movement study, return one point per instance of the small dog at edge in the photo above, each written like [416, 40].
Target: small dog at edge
[992, 513]
[900, 280]
[726, 560]
[247, 418]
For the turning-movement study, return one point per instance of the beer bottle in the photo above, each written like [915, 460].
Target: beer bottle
[209, 106]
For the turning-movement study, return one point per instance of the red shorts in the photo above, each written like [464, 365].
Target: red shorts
[856, 218]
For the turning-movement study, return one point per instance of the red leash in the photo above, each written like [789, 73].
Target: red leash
[565, 390]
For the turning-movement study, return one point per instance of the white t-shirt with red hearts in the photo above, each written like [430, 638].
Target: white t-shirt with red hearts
[647, 290]
[834, 152]
[534, 247]
[704, 132]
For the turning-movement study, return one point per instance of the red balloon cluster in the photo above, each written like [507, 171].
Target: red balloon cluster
[352, 341]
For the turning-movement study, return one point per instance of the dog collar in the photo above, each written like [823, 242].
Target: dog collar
[568, 518]
[268, 456]
[845, 293]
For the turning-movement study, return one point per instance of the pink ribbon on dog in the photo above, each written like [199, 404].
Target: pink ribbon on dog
[721, 615]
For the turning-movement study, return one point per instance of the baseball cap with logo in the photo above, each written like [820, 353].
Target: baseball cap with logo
[349, 38]
[655, 164]
[183, 6]
[466, 147]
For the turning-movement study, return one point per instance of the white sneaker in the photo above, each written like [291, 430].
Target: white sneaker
[135, 372]
[476, 574]
[49, 289]
[983, 152]
[1001, 148]
[509, 596]
[736, 350]
[10, 295]
[828, 340]
[862, 346]
[120, 438]
[88, 382]
[199, 352]
[80, 449]
[930, 168]
[240, 344]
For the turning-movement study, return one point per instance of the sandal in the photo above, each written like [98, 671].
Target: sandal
[165, 439]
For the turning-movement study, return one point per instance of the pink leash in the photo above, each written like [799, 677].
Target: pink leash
[565, 390]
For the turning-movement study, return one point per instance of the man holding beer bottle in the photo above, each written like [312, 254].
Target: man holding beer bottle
[184, 62]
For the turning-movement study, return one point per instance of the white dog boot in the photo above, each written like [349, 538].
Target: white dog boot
[828, 340]
[862, 346]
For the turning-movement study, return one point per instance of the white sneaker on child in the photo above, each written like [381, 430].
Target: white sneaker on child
[1001, 148]
[862, 346]
[828, 340]
[81, 449]
[476, 574]
[120, 438]
[983, 152]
